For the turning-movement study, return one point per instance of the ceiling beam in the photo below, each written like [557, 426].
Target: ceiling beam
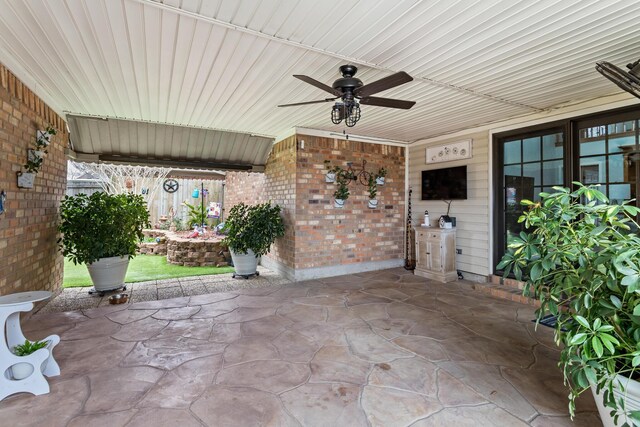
[346, 58]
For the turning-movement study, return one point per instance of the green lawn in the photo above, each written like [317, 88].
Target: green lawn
[141, 268]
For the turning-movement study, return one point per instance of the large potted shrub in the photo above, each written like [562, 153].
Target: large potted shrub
[581, 260]
[251, 230]
[103, 232]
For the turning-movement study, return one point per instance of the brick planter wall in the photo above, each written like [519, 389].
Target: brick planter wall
[154, 248]
[196, 253]
[28, 250]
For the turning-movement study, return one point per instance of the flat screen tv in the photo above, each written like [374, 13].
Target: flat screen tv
[445, 184]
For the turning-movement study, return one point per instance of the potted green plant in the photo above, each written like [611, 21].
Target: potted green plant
[581, 260]
[380, 176]
[373, 192]
[342, 192]
[22, 370]
[103, 232]
[250, 232]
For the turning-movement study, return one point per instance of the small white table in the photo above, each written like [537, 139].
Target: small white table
[10, 308]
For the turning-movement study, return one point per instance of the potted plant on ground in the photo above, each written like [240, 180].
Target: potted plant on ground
[22, 370]
[581, 260]
[103, 232]
[373, 192]
[342, 192]
[251, 230]
[380, 176]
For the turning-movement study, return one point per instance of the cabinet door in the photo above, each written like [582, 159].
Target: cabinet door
[421, 254]
[434, 256]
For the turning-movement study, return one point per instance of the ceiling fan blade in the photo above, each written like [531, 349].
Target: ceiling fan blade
[628, 81]
[383, 84]
[308, 102]
[318, 84]
[387, 102]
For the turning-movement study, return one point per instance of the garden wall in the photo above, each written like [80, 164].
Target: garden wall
[28, 234]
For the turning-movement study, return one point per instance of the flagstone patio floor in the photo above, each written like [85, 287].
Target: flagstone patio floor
[384, 348]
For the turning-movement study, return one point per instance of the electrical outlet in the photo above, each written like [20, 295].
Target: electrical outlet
[459, 251]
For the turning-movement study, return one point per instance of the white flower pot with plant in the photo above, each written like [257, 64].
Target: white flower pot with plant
[373, 192]
[380, 176]
[582, 262]
[116, 221]
[251, 230]
[342, 192]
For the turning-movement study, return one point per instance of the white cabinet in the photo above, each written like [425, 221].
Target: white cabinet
[436, 254]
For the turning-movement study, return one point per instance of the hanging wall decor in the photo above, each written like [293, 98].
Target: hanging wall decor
[448, 152]
[344, 177]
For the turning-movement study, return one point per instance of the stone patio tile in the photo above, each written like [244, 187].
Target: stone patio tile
[89, 355]
[268, 327]
[388, 293]
[489, 383]
[128, 316]
[498, 330]
[54, 409]
[141, 296]
[358, 298]
[215, 310]
[98, 327]
[181, 386]
[585, 419]
[120, 389]
[484, 350]
[337, 364]
[156, 305]
[406, 408]
[211, 298]
[484, 415]
[225, 332]
[368, 346]
[322, 333]
[165, 284]
[391, 328]
[325, 405]
[155, 417]
[347, 317]
[141, 330]
[370, 311]
[428, 348]
[250, 349]
[295, 347]
[322, 301]
[171, 353]
[301, 313]
[274, 376]
[241, 406]
[243, 314]
[179, 313]
[101, 311]
[414, 375]
[193, 288]
[453, 392]
[111, 419]
[189, 328]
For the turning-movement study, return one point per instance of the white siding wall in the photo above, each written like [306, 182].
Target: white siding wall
[472, 215]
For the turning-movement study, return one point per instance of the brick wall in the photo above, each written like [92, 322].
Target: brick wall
[245, 187]
[280, 188]
[327, 236]
[30, 259]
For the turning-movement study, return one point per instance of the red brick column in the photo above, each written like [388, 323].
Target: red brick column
[28, 250]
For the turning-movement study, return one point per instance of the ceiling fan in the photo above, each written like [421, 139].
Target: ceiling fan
[628, 81]
[352, 92]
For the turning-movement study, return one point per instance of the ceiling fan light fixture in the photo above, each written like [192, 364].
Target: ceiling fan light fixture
[353, 115]
[337, 113]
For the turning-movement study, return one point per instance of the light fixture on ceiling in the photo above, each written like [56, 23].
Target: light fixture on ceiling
[349, 111]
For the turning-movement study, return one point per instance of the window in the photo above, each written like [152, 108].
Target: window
[599, 149]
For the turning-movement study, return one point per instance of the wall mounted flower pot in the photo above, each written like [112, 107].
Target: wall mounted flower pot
[338, 203]
[330, 177]
[380, 180]
[108, 273]
[373, 203]
[26, 179]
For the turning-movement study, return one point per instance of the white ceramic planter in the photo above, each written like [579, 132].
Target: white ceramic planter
[330, 177]
[373, 203]
[108, 273]
[338, 203]
[380, 180]
[244, 264]
[631, 396]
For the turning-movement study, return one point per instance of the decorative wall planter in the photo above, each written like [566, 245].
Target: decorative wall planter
[373, 204]
[26, 179]
[338, 203]
[380, 180]
[330, 177]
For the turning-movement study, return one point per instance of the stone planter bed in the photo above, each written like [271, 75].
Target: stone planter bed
[191, 252]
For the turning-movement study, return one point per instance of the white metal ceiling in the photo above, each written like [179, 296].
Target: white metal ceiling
[226, 64]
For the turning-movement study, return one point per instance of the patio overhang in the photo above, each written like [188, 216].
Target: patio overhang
[116, 140]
